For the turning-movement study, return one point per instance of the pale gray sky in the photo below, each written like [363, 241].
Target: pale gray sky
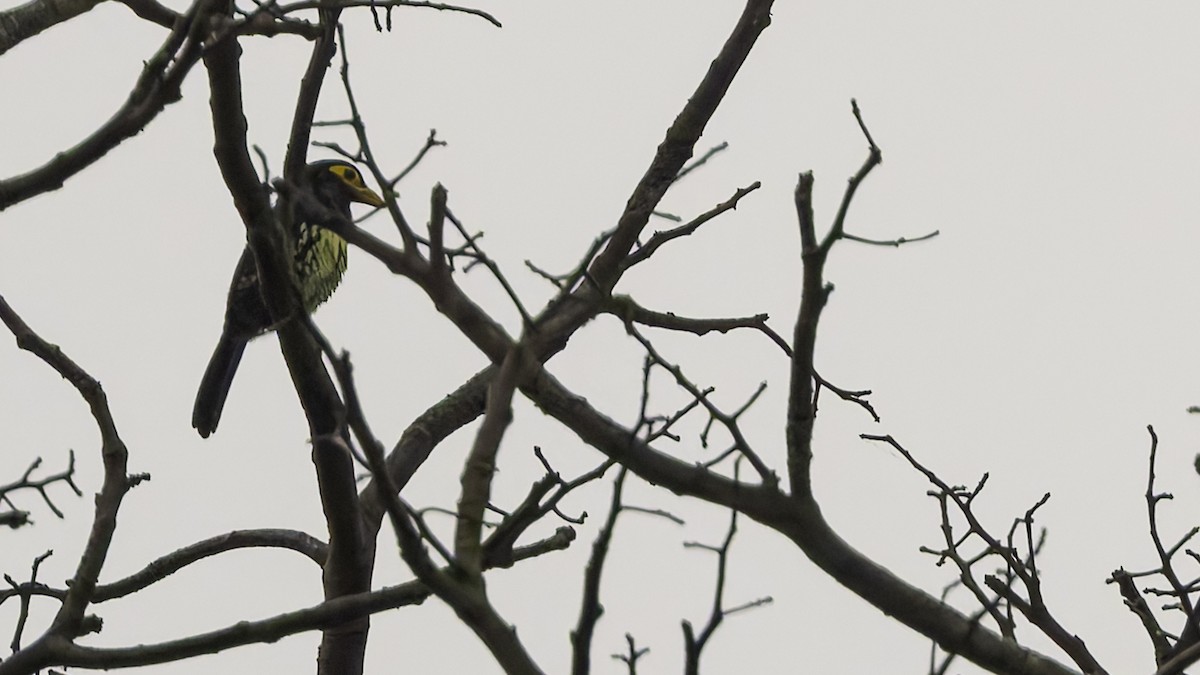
[1053, 319]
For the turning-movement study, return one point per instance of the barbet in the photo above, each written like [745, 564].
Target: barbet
[318, 260]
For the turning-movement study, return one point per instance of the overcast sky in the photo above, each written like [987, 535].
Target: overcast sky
[1050, 322]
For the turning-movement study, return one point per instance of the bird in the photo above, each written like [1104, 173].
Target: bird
[319, 261]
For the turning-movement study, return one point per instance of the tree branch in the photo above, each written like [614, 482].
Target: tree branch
[70, 621]
[158, 86]
[25, 21]
[590, 609]
[16, 518]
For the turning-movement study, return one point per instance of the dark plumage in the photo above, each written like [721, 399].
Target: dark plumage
[319, 259]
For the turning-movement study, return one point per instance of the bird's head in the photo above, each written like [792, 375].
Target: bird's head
[342, 181]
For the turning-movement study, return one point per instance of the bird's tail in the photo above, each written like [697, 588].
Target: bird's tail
[210, 398]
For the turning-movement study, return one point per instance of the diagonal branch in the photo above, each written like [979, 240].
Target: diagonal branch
[348, 567]
[158, 86]
[659, 238]
[310, 91]
[590, 609]
[70, 621]
[340, 4]
[326, 615]
[800, 521]
[25, 21]
[730, 422]
[480, 468]
[17, 518]
[499, 545]
[568, 313]
[169, 564]
[626, 308]
[802, 408]
[694, 643]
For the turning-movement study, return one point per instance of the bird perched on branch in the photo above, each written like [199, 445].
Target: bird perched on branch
[318, 260]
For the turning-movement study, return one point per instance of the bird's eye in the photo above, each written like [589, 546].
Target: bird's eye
[350, 175]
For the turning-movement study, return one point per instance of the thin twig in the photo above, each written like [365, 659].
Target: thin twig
[895, 243]
[694, 643]
[590, 609]
[628, 309]
[320, 4]
[729, 422]
[701, 160]
[644, 252]
[431, 141]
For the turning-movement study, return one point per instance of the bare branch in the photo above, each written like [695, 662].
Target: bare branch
[157, 86]
[407, 235]
[632, 655]
[171, 563]
[494, 268]
[1180, 660]
[328, 614]
[431, 142]
[16, 518]
[25, 21]
[702, 160]
[566, 283]
[1189, 634]
[153, 11]
[895, 243]
[1034, 609]
[799, 520]
[563, 317]
[627, 309]
[728, 421]
[658, 513]
[857, 397]
[23, 613]
[437, 226]
[590, 609]
[340, 4]
[874, 158]
[656, 242]
[1137, 604]
[802, 409]
[499, 545]
[70, 621]
[694, 644]
[464, 593]
[310, 90]
[481, 466]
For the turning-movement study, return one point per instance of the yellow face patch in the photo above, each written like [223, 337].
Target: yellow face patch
[348, 175]
[358, 189]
